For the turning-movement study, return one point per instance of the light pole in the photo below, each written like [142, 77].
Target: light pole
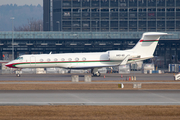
[12, 18]
[96, 25]
[29, 26]
[47, 26]
[40, 27]
[58, 25]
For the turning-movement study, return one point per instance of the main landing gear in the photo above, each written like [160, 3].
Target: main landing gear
[95, 72]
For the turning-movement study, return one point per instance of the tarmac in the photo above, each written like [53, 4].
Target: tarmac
[67, 77]
[86, 97]
[90, 97]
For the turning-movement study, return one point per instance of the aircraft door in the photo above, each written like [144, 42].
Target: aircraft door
[32, 61]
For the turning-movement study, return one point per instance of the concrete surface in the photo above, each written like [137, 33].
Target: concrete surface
[67, 77]
[90, 97]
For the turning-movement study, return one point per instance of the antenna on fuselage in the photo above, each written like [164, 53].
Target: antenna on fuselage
[50, 53]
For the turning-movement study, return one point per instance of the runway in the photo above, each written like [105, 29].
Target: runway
[67, 77]
[87, 97]
[90, 97]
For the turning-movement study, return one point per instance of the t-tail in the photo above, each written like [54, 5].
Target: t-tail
[147, 44]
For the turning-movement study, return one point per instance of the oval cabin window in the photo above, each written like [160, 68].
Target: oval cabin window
[76, 59]
[69, 59]
[55, 59]
[83, 58]
[41, 60]
[62, 59]
[48, 60]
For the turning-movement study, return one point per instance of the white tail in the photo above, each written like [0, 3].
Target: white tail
[147, 44]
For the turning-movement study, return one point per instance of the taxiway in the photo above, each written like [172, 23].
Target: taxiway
[90, 97]
[67, 77]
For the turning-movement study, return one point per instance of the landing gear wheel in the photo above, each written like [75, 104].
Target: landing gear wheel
[18, 75]
[94, 74]
[18, 72]
[97, 74]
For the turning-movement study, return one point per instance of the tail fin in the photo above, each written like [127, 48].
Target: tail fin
[147, 44]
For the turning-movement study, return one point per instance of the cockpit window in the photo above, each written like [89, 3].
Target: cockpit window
[19, 58]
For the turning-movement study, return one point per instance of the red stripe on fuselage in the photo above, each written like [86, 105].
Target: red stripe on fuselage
[12, 65]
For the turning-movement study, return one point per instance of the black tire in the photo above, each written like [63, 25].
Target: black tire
[18, 75]
[99, 74]
[94, 75]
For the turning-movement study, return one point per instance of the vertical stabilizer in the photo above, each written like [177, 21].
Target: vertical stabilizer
[147, 44]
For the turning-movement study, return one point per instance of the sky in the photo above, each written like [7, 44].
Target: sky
[22, 2]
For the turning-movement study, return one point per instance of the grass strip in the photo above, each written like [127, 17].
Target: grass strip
[84, 86]
[89, 112]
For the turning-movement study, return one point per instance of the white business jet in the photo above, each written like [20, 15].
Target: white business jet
[144, 49]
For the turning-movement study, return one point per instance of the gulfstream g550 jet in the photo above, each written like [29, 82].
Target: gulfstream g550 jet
[144, 49]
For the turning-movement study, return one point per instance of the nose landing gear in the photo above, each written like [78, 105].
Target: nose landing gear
[18, 73]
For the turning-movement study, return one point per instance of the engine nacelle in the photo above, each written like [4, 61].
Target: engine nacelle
[121, 55]
[117, 55]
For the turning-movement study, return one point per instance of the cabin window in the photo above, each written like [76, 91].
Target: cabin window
[19, 58]
[69, 59]
[83, 58]
[62, 59]
[48, 59]
[55, 59]
[41, 60]
[76, 59]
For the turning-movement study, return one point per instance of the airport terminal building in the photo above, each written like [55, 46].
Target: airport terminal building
[111, 15]
[99, 26]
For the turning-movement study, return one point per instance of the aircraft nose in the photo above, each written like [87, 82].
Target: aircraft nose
[9, 65]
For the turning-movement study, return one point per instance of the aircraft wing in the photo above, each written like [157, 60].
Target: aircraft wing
[89, 67]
